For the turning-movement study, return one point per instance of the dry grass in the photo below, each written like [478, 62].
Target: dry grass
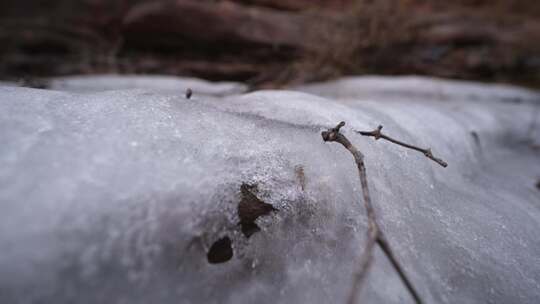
[386, 37]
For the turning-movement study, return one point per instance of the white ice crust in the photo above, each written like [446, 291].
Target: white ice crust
[112, 190]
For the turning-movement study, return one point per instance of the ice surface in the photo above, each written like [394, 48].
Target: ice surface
[407, 87]
[116, 196]
[163, 84]
[8, 84]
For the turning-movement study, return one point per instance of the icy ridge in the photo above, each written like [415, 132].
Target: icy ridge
[117, 196]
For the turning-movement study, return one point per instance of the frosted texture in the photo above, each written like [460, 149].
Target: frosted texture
[162, 84]
[116, 196]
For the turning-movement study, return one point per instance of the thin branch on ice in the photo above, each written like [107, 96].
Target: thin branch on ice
[427, 152]
[374, 233]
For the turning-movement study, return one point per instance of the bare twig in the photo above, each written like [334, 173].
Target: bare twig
[374, 233]
[385, 246]
[427, 152]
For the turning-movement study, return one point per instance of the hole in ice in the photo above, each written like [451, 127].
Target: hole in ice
[250, 208]
[221, 251]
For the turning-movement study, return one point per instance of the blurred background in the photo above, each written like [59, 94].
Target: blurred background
[272, 43]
